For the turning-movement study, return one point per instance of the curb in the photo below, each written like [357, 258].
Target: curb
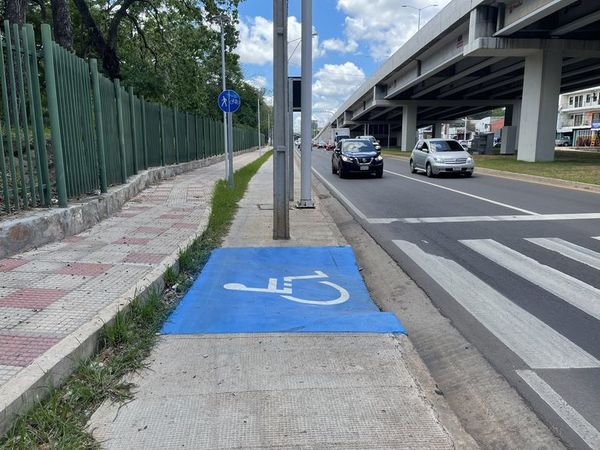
[50, 369]
[554, 182]
[53, 224]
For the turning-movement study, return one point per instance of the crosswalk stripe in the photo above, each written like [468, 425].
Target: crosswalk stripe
[578, 423]
[537, 344]
[570, 289]
[570, 250]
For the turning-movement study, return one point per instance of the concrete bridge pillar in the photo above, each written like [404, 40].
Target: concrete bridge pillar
[541, 88]
[409, 127]
[436, 129]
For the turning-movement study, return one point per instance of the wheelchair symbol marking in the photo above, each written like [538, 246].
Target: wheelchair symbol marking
[286, 291]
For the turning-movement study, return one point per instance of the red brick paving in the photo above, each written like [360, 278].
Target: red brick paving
[86, 269]
[189, 226]
[21, 350]
[32, 298]
[172, 216]
[10, 263]
[131, 241]
[145, 258]
[151, 229]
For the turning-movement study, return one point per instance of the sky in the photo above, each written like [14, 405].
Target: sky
[354, 37]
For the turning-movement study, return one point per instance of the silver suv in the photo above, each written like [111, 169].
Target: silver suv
[435, 156]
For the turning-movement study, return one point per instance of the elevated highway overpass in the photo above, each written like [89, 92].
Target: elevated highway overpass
[476, 55]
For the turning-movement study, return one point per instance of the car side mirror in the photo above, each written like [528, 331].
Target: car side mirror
[426, 150]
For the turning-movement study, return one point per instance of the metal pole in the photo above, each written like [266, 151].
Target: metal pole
[290, 144]
[230, 181]
[281, 219]
[225, 118]
[258, 116]
[306, 103]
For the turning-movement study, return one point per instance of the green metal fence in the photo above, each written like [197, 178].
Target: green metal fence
[101, 133]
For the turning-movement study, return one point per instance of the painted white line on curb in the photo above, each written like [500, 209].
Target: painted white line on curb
[510, 218]
[578, 423]
[570, 289]
[570, 250]
[494, 202]
[537, 344]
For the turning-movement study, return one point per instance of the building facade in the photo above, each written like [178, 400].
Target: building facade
[579, 117]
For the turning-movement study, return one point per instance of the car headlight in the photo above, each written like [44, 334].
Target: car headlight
[440, 160]
[379, 158]
[469, 160]
[345, 158]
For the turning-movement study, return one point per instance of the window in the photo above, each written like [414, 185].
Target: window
[570, 101]
[588, 98]
[425, 147]
[577, 120]
[578, 101]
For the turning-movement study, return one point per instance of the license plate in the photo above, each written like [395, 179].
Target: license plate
[364, 167]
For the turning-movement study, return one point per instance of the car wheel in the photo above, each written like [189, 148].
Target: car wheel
[429, 171]
[341, 172]
[379, 173]
[413, 168]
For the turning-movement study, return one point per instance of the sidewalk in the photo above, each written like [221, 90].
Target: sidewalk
[55, 299]
[259, 390]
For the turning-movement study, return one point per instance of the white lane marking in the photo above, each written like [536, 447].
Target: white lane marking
[340, 196]
[537, 344]
[578, 423]
[571, 290]
[509, 218]
[570, 250]
[494, 202]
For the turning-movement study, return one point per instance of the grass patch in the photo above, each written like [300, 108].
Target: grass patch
[59, 421]
[394, 151]
[568, 165]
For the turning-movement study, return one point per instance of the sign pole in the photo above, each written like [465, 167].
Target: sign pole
[306, 118]
[281, 219]
[290, 159]
[225, 114]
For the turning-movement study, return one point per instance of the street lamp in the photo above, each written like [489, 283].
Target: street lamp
[419, 10]
[227, 119]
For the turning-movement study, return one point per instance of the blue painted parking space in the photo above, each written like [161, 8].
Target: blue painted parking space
[280, 289]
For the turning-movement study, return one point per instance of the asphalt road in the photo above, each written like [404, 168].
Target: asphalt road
[515, 266]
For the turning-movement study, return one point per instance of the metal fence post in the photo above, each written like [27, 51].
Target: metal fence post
[144, 137]
[162, 134]
[99, 124]
[175, 130]
[59, 163]
[133, 133]
[117, 85]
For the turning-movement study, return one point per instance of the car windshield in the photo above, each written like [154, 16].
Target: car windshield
[357, 146]
[446, 146]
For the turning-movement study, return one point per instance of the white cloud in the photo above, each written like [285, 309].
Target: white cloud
[256, 41]
[257, 81]
[332, 85]
[338, 45]
[384, 25]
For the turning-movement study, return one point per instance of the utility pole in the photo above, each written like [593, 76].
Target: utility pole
[258, 116]
[306, 103]
[227, 120]
[281, 214]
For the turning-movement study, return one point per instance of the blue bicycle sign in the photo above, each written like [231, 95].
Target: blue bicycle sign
[229, 101]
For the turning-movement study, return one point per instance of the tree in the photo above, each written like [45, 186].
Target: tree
[61, 20]
[15, 10]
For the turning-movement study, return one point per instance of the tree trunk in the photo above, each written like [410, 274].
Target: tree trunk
[62, 23]
[108, 54]
[16, 11]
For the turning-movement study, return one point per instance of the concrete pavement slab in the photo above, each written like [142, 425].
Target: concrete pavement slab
[266, 391]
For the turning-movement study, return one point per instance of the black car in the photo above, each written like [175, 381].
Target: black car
[356, 156]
